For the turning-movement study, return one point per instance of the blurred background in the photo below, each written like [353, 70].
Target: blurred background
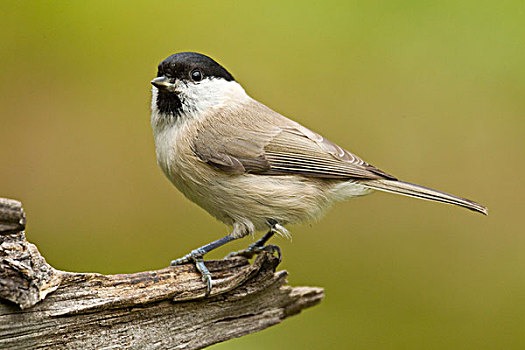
[432, 92]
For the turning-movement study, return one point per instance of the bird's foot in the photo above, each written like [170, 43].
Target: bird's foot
[254, 249]
[196, 257]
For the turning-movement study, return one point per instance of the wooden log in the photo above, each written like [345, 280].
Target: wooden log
[42, 307]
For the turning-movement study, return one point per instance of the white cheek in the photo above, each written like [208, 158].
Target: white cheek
[212, 93]
[197, 100]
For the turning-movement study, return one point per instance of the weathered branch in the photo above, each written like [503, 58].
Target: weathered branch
[43, 307]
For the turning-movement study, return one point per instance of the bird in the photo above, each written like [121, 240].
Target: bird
[249, 166]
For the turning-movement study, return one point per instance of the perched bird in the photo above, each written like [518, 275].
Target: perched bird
[249, 166]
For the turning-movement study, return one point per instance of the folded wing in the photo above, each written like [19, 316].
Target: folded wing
[267, 143]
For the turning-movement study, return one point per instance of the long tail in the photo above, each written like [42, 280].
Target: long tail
[417, 191]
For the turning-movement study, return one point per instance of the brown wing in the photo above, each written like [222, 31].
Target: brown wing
[275, 145]
[233, 149]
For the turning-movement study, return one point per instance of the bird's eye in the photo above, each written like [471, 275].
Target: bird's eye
[196, 75]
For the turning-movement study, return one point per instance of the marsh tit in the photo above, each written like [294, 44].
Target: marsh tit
[249, 166]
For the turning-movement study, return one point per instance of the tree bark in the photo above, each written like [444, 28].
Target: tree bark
[42, 307]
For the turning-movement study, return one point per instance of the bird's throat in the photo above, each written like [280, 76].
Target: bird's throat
[169, 103]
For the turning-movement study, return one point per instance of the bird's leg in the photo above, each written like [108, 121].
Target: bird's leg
[259, 246]
[196, 257]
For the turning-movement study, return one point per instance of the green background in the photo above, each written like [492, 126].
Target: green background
[432, 92]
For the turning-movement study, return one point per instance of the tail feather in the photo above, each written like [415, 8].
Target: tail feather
[417, 191]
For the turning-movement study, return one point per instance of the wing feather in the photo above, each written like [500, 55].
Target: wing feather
[275, 145]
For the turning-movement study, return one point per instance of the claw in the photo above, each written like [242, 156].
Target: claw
[271, 248]
[206, 275]
[259, 246]
[195, 257]
[245, 253]
[180, 261]
[190, 257]
[248, 252]
[254, 249]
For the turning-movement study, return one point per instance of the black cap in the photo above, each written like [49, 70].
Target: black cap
[180, 66]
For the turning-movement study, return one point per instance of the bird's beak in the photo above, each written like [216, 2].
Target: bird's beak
[163, 83]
